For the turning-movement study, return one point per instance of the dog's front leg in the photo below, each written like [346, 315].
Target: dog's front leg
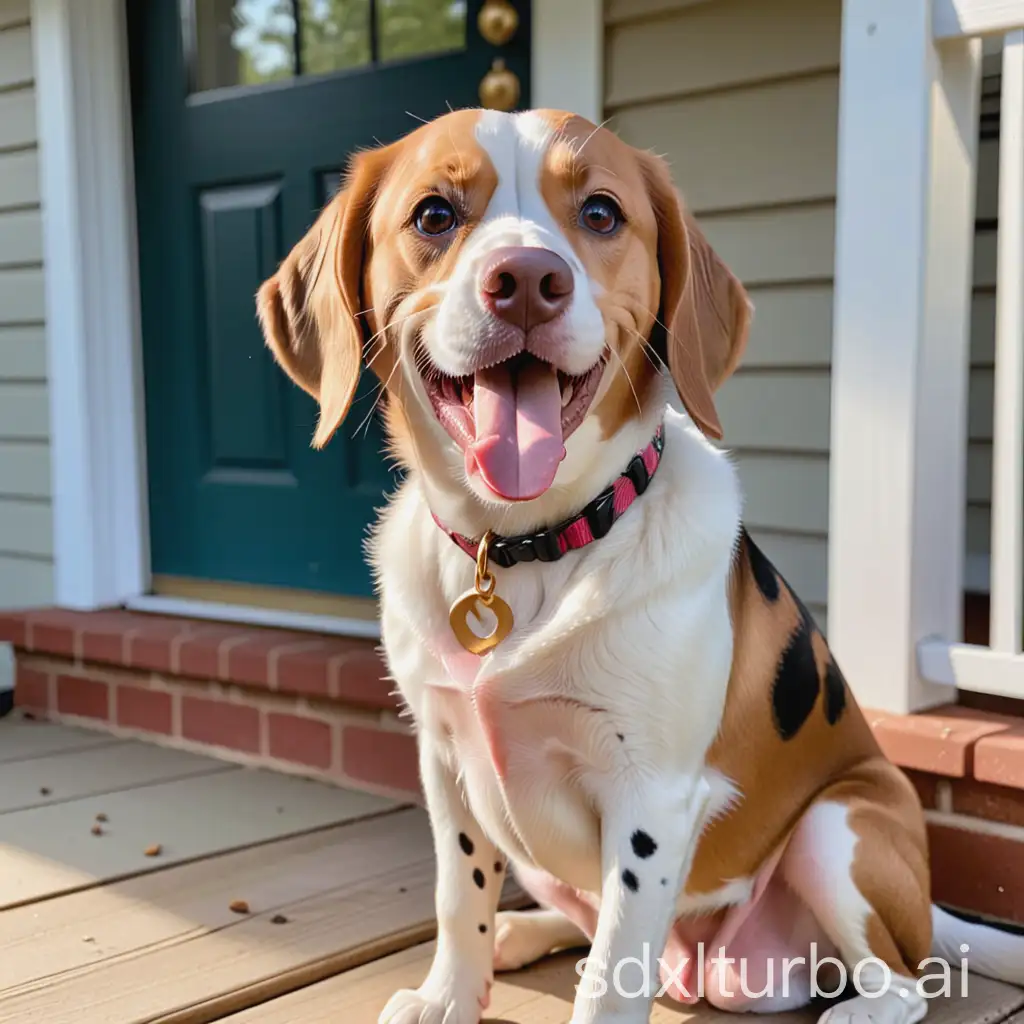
[649, 831]
[470, 873]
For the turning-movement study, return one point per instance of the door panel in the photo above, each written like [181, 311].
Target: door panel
[244, 114]
[240, 231]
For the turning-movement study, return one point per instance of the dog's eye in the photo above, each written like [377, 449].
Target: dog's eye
[434, 216]
[601, 214]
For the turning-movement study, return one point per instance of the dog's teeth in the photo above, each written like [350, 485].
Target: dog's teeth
[566, 395]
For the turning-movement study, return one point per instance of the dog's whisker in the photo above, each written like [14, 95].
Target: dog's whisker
[380, 394]
[607, 170]
[651, 314]
[629, 379]
[591, 135]
[647, 350]
[387, 327]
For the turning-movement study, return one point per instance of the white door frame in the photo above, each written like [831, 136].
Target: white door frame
[97, 438]
[93, 328]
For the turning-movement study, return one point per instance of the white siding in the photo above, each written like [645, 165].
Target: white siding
[26, 536]
[748, 120]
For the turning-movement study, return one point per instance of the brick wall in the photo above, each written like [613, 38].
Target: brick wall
[968, 767]
[300, 703]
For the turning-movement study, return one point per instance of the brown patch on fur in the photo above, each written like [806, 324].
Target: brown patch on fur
[890, 864]
[310, 308]
[777, 778]
[401, 266]
[890, 867]
[659, 277]
[705, 310]
[581, 161]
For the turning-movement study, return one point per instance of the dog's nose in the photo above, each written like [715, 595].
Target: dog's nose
[526, 286]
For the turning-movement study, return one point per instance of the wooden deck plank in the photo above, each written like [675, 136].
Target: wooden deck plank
[71, 775]
[543, 994]
[22, 740]
[48, 850]
[98, 926]
[381, 900]
[362, 992]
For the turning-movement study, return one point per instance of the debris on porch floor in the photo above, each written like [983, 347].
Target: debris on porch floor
[144, 884]
[304, 703]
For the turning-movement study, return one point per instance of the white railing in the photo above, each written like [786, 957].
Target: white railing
[910, 81]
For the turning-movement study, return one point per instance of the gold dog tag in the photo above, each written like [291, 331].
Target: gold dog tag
[469, 603]
[459, 619]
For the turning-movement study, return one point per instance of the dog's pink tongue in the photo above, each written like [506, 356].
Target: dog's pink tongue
[518, 420]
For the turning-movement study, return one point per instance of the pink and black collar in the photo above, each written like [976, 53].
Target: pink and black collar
[579, 530]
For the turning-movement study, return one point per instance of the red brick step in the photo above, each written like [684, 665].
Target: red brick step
[309, 703]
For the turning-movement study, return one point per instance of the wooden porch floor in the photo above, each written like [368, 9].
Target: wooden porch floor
[140, 884]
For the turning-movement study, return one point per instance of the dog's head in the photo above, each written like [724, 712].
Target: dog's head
[517, 282]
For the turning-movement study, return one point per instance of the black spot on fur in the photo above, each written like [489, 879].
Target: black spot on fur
[796, 682]
[621, 737]
[643, 845]
[630, 881]
[483, 929]
[478, 877]
[835, 693]
[466, 843]
[765, 576]
[498, 867]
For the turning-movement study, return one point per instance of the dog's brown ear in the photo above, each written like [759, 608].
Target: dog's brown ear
[310, 309]
[704, 308]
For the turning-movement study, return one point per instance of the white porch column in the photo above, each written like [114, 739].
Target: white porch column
[904, 237]
[567, 57]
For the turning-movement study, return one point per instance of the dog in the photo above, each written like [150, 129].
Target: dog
[615, 692]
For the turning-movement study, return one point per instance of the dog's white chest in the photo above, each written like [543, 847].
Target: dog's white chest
[526, 768]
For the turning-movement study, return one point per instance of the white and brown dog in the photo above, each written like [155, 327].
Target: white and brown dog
[654, 732]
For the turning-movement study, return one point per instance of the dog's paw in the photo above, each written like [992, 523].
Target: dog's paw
[892, 1007]
[407, 1006]
[430, 1004]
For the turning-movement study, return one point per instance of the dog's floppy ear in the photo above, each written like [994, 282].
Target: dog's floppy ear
[310, 309]
[704, 309]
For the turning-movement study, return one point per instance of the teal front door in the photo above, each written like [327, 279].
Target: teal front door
[244, 113]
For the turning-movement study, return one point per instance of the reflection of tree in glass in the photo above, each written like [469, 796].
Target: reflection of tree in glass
[410, 28]
[263, 34]
[335, 34]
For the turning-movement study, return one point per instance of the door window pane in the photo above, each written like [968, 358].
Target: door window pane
[243, 42]
[334, 35]
[416, 28]
[251, 42]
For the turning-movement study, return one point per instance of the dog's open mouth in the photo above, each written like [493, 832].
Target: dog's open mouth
[512, 420]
